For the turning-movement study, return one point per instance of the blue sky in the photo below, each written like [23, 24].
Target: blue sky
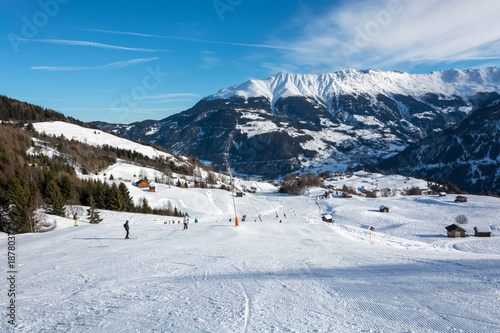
[125, 61]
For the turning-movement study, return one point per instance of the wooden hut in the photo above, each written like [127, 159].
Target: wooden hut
[239, 194]
[384, 209]
[327, 218]
[152, 188]
[482, 231]
[346, 195]
[442, 194]
[454, 230]
[460, 199]
[142, 184]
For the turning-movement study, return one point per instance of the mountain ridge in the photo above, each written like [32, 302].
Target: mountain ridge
[320, 122]
[325, 86]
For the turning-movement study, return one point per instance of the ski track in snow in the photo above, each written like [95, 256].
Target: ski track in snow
[301, 275]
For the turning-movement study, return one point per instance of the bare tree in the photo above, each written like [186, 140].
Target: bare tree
[461, 219]
[72, 210]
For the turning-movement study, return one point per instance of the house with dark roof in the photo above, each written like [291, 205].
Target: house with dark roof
[454, 230]
[384, 209]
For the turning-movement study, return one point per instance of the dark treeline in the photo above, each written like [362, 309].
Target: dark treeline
[293, 184]
[14, 110]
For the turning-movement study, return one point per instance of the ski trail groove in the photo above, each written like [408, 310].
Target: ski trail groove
[247, 308]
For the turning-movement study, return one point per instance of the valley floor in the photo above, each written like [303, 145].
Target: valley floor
[301, 275]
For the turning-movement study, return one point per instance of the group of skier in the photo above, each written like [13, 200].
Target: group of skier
[185, 222]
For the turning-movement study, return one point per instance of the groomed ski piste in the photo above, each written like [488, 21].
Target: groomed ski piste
[297, 275]
[300, 275]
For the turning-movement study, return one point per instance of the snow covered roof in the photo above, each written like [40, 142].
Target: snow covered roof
[327, 217]
[382, 207]
[482, 229]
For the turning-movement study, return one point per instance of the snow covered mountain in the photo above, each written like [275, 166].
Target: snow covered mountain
[467, 154]
[328, 121]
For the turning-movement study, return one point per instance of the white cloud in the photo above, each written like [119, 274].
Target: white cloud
[383, 34]
[167, 96]
[113, 65]
[91, 44]
[261, 46]
[170, 98]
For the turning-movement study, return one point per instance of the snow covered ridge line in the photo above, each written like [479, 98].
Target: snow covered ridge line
[98, 138]
[323, 87]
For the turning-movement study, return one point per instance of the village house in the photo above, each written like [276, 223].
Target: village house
[460, 199]
[327, 218]
[142, 184]
[482, 231]
[253, 189]
[384, 209]
[454, 230]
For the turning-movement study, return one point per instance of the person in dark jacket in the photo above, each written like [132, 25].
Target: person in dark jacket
[126, 228]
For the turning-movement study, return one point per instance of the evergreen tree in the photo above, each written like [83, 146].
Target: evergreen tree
[66, 187]
[127, 199]
[4, 205]
[93, 214]
[54, 199]
[115, 200]
[21, 209]
[100, 193]
[146, 209]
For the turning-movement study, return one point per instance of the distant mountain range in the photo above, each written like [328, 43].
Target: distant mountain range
[329, 121]
[467, 154]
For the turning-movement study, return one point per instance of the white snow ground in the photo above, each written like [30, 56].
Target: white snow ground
[96, 138]
[301, 275]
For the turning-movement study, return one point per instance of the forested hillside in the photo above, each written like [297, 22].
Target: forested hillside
[38, 172]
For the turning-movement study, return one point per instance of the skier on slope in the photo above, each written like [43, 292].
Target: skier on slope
[186, 222]
[126, 228]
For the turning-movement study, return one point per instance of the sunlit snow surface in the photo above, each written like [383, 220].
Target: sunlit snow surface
[301, 275]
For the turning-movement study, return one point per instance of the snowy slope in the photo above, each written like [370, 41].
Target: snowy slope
[96, 138]
[301, 275]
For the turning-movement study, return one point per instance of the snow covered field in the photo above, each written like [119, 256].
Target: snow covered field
[95, 138]
[301, 275]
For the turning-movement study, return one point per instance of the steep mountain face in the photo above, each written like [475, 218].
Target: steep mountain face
[333, 121]
[467, 154]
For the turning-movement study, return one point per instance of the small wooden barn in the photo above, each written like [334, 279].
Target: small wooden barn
[240, 194]
[152, 188]
[327, 218]
[142, 184]
[346, 195]
[461, 198]
[454, 230]
[482, 231]
[384, 209]
[442, 194]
